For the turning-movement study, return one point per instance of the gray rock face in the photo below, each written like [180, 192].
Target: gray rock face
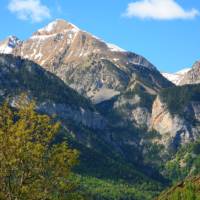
[50, 93]
[176, 130]
[192, 76]
[196, 110]
[141, 116]
[132, 110]
[89, 79]
[64, 112]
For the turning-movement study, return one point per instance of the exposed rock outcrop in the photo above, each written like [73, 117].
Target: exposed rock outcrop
[177, 77]
[175, 129]
[50, 93]
[192, 76]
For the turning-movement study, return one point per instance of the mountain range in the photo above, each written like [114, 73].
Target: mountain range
[177, 76]
[128, 120]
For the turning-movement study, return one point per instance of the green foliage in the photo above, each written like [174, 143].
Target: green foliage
[105, 189]
[104, 175]
[187, 190]
[185, 161]
[177, 98]
[32, 166]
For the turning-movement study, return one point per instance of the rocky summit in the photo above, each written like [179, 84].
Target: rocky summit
[176, 77]
[9, 44]
[97, 69]
[192, 76]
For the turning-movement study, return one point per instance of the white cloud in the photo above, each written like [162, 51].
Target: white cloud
[29, 10]
[159, 10]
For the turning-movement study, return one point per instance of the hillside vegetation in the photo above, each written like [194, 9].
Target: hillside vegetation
[185, 190]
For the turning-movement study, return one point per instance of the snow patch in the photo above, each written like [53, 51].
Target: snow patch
[7, 46]
[183, 71]
[95, 37]
[38, 56]
[176, 77]
[42, 37]
[5, 49]
[111, 46]
[75, 29]
[114, 47]
[49, 27]
[116, 59]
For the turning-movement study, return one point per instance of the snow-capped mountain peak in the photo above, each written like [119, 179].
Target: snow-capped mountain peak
[57, 26]
[62, 39]
[91, 66]
[7, 45]
[176, 77]
[193, 76]
[60, 35]
[183, 71]
[63, 27]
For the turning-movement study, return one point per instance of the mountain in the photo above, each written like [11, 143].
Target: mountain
[185, 76]
[176, 77]
[9, 44]
[192, 76]
[108, 156]
[98, 70]
[94, 68]
[123, 86]
[23, 76]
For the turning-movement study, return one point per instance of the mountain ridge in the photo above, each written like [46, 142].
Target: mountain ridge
[192, 76]
[177, 76]
[68, 52]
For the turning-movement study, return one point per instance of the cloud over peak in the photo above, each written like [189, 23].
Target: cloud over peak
[32, 10]
[159, 10]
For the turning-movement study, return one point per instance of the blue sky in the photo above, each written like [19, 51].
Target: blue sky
[166, 32]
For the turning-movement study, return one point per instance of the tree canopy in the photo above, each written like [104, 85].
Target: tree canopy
[32, 165]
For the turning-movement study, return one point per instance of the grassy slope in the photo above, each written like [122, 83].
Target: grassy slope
[105, 189]
[185, 190]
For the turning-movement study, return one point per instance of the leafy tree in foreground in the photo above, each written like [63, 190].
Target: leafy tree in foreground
[32, 167]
